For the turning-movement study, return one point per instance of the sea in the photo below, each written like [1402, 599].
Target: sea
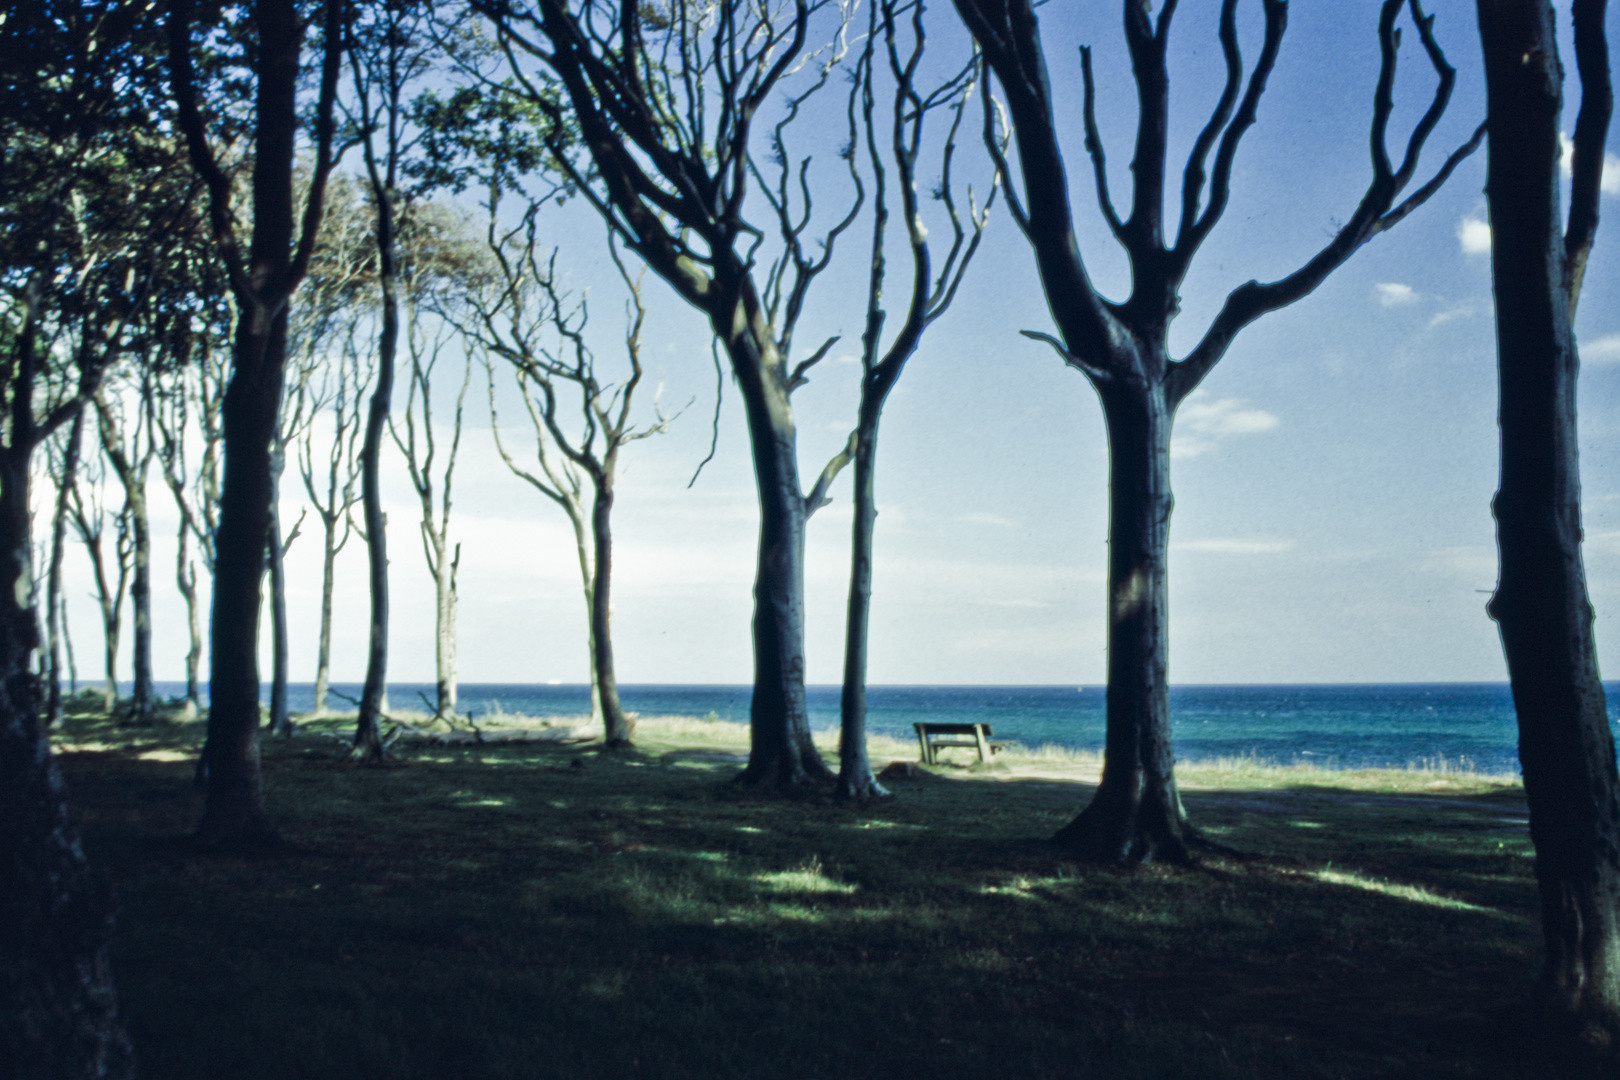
[1455, 725]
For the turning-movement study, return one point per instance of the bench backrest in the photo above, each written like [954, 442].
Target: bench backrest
[952, 729]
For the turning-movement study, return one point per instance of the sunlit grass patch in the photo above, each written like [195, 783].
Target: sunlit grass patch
[1414, 893]
[809, 877]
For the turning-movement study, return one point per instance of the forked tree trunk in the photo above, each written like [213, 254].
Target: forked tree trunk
[1136, 814]
[1541, 605]
[58, 1007]
[781, 752]
[56, 626]
[855, 779]
[604, 683]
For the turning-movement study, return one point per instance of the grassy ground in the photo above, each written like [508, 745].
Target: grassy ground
[538, 909]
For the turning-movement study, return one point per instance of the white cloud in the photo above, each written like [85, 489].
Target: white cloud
[1611, 166]
[1465, 310]
[977, 518]
[1237, 546]
[1605, 350]
[1474, 235]
[1391, 293]
[1203, 425]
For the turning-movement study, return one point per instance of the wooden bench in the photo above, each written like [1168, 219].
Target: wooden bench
[933, 736]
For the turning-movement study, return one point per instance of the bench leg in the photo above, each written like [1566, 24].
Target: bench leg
[922, 741]
[984, 743]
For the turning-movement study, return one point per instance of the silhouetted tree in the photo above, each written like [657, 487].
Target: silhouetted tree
[1566, 750]
[649, 116]
[263, 275]
[526, 320]
[1123, 347]
[900, 27]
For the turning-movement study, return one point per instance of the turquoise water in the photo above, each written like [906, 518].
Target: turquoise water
[1336, 726]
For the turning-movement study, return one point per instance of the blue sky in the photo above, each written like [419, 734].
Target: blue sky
[1333, 475]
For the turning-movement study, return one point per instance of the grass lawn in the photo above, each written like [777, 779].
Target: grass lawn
[539, 909]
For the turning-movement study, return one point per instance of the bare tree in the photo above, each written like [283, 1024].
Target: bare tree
[1541, 605]
[263, 276]
[332, 485]
[64, 466]
[387, 55]
[931, 293]
[333, 307]
[657, 134]
[578, 458]
[89, 519]
[1122, 347]
[420, 448]
[197, 389]
[129, 447]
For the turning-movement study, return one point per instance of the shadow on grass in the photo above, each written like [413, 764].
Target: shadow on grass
[540, 910]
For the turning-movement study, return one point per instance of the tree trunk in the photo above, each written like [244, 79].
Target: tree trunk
[781, 752]
[855, 779]
[444, 653]
[323, 664]
[1136, 814]
[234, 811]
[368, 728]
[615, 726]
[1541, 605]
[185, 576]
[280, 720]
[111, 624]
[140, 598]
[53, 580]
[58, 1007]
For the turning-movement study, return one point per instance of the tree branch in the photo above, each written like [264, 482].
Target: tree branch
[1591, 131]
[818, 496]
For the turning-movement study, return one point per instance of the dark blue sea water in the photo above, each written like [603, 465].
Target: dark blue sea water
[1337, 726]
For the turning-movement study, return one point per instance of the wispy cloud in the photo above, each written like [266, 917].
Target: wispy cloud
[1474, 234]
[1234, 545]
[977, 518]
[1604, 350]
[1465, 310]
[1391, 293]
[1201, 426]
[1610, 183]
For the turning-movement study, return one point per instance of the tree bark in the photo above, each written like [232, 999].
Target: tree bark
[111, 603]
[855, 779]
[781, 752]
[185, 576]
[58, 1007]
[234, 811]
[444, 653]
[56, 627]
[1541, 604]
[615, 725]
[276, 552]
[368, 727]
[323, 663]
[140, 601]
[1136, 815]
